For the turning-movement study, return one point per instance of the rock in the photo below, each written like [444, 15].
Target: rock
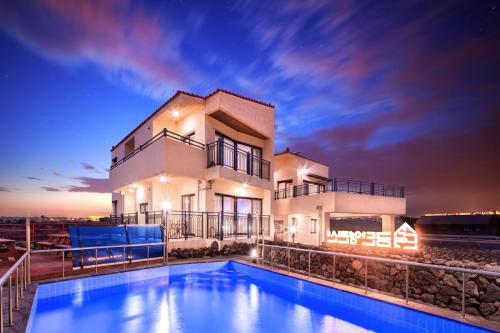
[471, 311]
[450, 280]
[447, 290]
[357, 265]
[439, 273]
[471, 288]
[491, 294]
[427, 277]
[432, 289]
[427, 298]
[487, 309]
[396, 291]
[495, 316]
[442, 298]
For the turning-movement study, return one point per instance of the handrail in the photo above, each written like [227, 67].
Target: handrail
[407, 264]
[156, 137]
[97, 247]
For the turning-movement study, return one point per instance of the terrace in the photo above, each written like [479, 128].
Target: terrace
[341, 185]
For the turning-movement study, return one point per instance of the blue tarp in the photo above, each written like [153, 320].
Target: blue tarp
[90, 236]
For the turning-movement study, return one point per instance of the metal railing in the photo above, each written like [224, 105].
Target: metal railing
[126, 256]
[222, 153]
[366, 259]
[164, 133]
[19, 273]
[341, 185]
[230, 225]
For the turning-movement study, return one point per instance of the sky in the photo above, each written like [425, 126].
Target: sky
[397, 92]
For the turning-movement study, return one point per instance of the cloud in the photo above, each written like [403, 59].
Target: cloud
[4, 189]
[31, 178]
[57, 174]
[89, 184]
[88, 166]
[51, 189]
[129, 42]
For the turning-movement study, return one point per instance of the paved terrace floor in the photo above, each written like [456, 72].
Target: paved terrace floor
[48, 268]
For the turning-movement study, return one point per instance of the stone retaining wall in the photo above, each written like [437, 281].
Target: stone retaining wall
[438, 287]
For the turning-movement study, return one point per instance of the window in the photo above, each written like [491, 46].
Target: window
[114, 160]
[129, 146]
[284, 188]
[114, 207]
[143, 208]
[314, 226]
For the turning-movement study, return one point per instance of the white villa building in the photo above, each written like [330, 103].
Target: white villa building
[206, 164]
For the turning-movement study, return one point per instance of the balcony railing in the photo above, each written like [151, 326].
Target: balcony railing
[221, 153]
[342, 185]
[162, 134]
[187, 224]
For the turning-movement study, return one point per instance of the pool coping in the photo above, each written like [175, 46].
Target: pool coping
[431, 310]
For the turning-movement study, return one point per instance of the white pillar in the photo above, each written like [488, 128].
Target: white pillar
[388, 223]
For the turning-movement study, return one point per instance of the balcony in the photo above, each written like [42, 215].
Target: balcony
[341, 185]
[223, 154]
[189, 225]
[164, 133]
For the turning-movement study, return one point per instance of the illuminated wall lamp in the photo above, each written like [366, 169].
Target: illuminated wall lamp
[163, 179]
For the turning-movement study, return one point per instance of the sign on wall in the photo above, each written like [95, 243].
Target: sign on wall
[405, 238]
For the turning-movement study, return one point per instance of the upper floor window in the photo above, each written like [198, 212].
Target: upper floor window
[143, 207]
[114, 160]
[129, 146]
[314, 226]
[114, 207]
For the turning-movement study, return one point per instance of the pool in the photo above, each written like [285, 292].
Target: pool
[218, 297]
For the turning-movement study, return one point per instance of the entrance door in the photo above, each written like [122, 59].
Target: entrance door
[278, 230]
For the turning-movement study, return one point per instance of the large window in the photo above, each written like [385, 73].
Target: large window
[230, 204]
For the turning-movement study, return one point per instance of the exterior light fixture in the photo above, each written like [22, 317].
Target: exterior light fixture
[131, 190]
[302, 172]
[245, 185]
[166, 205]
[135, 185]
[163, 179]
[121, 192]
[253, 253]
[176, 113]
[293, 231]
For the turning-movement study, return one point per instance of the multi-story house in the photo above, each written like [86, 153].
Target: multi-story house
[207, 161]
[206, 166]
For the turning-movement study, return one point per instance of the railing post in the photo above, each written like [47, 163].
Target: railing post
[124, 257]
[95, 258]
[121, 218]
[220, 152]
[146, 217]
[334, 272]
[1, 309]
[221, 225]
[463, 294]
[366, 276]
[62, 262]
[309, 256]
[11, 321]
[235, 222]
[335, 184]
[147, 260]
[17, 288]
[288, 255]
[407, 281]
[372, 189]
[136, 217]
[28, 247]
[272, 258]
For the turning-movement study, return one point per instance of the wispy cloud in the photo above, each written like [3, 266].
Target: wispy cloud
[50, 189]
[4, 189]
[129, 42]
[89, 184]
[31, 178]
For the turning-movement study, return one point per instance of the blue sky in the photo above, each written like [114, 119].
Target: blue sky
[395, 92]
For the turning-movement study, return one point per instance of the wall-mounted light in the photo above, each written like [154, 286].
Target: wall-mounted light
[121, 192]
[131, 190]
[302, 172]
[253, 253]
[245, 185]
[176, 113]
[166, 205]
[163, 179]
[293, 229]
[135, 185]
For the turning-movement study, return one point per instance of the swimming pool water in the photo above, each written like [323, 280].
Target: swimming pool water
[218, 297]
